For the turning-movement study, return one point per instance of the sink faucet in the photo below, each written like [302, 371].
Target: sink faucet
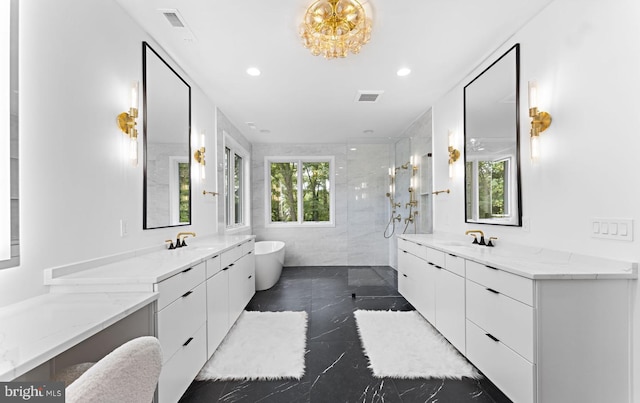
[475, 239]
[180, 242]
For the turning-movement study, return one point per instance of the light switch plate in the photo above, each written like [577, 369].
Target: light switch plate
[620, 229]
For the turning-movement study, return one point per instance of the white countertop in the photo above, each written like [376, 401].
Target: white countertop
[38, 329]
[148, 268]
[533, 263]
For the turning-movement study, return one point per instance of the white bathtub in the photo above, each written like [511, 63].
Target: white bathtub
[269, 261]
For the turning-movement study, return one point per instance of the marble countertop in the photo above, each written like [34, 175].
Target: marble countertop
[38, 329]
[529, 262]
[147, 268]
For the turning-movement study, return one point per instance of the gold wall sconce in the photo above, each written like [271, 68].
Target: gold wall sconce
[454, 153]
[540, 120]
[127, 123]
[199, 156]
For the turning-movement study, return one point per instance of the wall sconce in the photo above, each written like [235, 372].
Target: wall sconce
[454, 153]
[199, 157]
[127, 124]
[540, 120]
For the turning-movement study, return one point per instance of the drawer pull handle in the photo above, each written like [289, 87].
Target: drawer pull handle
[404, 251]
[238, 246]
[437, 267]
[493, 291]
[187, 342]
[250, 252]
[405, 275]
[492, 337]
[231, 265]
[432, 264]
[452, 255]
[186, 270]
[419, 244]
[492, 268]
[186, 294]
[226, 268]
[251, 276]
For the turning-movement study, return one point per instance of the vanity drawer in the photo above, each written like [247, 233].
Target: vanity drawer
[213, 266]
[413, 248]
[178, 373]
[511, 373]
[176, 285]
[454, 264]
[248, 246]
[510, 321]
[181, 319]
[436, 257]
[229, 256]
[516, 287]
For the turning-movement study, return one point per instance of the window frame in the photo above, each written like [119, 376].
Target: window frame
[509, 192]
[299, 223]
[245, 198]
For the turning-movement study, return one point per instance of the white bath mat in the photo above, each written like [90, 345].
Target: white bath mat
[261, 346]
[404, 345]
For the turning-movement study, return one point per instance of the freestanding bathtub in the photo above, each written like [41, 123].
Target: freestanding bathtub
[269, 261]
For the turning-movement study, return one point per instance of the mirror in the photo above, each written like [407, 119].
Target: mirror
[9, 138]
[167, 149]
[492, 145]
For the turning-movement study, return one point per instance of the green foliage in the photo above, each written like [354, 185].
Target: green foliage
[315, 185]
[491, 188]
[185, 185]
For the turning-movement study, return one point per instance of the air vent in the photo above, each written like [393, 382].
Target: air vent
[173, 19]
[368, 96]
[178, 23]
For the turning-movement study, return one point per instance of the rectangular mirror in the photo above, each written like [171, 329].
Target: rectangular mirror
[167, 146]
[9, 167]
[492, 143]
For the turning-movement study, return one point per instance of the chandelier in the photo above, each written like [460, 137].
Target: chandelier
[335, 27]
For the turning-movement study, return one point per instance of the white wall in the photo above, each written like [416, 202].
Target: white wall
[77, 60]
[586, 58]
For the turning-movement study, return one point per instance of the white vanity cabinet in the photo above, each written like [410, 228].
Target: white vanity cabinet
[230, 286]
[542, 330]
[181, 328]
[417, 278]
[450, 297]
[433, 283]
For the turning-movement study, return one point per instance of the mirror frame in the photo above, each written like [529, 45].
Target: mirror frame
[518, 221]
[146, 47]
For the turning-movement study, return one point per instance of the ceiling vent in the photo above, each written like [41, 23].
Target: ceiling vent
[368, 97]
[177, 21]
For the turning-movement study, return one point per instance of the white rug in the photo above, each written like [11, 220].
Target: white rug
[404, 345]
[260, 346]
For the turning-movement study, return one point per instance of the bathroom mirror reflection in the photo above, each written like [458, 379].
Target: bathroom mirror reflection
[492, 147]
[167, 127]
[9, 139]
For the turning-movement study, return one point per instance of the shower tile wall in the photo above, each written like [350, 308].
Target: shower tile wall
[360, 214]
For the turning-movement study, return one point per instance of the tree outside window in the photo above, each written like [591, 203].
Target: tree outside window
[300, 191]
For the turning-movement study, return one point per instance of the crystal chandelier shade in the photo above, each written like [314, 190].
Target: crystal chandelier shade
[333, 28]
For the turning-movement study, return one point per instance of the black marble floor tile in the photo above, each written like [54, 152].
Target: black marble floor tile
[336, 366]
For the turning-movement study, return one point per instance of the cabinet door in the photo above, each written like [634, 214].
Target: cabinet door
[450, 308]
[217, 310]
[416, 282]
[249, 267]
[242, 285]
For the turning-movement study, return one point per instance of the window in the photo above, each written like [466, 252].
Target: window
[490, 182]
[236, 172]
[299, 191]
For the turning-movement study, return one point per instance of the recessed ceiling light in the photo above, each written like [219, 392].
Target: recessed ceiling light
[368, 131]
[265, 131]
[253, 71]
[353, 149]
[403, 72]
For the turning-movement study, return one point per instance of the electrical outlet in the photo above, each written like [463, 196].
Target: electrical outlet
[123, 228]
[612, 228]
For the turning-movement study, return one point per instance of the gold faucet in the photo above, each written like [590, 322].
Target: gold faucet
[181, 237]
[475, 239]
